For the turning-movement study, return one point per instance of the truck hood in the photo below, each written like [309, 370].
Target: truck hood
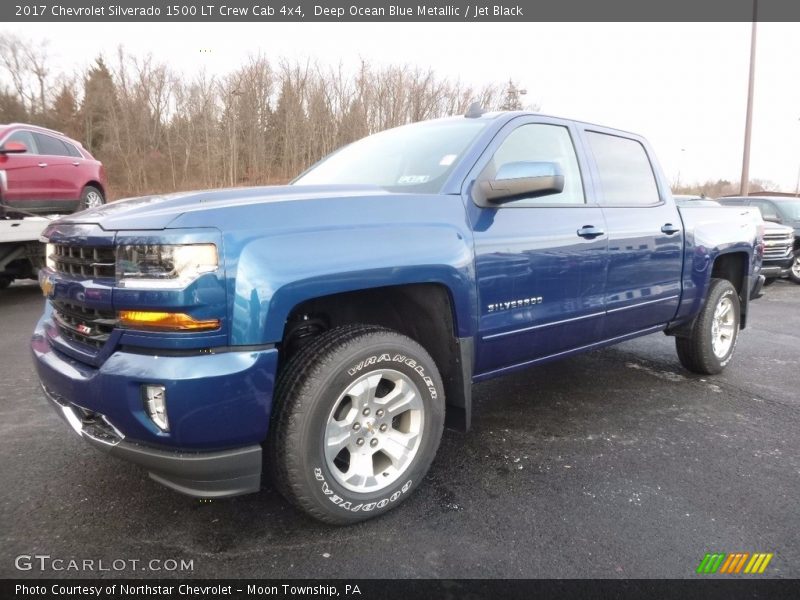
[158, 212]
[770, 227]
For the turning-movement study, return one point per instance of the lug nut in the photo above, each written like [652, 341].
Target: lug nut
[373, 442]
[360, 442]
[365, 412]
[383, 427]
[356, 426]
[379, 413]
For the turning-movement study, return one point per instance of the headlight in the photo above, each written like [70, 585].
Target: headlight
[49, 251]
[164, 266]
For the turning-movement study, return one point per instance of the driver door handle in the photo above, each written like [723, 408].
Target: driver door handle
[670, 229]
[590, 232]
[43, 165]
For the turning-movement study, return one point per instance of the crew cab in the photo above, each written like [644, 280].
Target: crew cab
[43, 171]
[330, 328]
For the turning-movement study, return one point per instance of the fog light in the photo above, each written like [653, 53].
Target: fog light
[155, 401]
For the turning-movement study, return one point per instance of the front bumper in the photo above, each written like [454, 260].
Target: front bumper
[218, 405]
[204, 474]
[777, 268]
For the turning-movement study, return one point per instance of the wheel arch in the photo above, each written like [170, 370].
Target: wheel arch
[734, 266]
[425, 312]
[96, 184]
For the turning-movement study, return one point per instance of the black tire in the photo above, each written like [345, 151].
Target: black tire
[769, 281]
[5, 282]
[696, 352]
[91, 197]
[311, 385]
[794, 271]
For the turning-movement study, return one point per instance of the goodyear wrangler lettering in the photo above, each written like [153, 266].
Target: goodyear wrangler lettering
[348, 505]
[397, 358]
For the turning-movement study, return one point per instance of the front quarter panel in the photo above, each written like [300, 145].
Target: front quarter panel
[348, 245]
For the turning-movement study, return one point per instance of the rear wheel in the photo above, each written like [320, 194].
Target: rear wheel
[5, 282]
[794, 271]
[91, 197]
[358, 416]
[709, 347]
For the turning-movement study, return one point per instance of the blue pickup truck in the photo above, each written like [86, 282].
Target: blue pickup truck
[332, 327]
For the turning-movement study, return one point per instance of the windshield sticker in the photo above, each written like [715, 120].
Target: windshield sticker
[447, 160]
[412, 179]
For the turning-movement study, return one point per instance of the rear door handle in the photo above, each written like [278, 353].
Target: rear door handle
[590, 232]
[43, 165]
[670, 229]
[76, 164]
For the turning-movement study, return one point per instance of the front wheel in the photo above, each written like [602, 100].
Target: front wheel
[358, 416]
[712, 340]
[794, 271]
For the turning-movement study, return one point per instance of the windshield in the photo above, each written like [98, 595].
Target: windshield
[413, 158]
[791, 210]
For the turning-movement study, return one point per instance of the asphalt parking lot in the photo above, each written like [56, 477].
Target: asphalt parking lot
[614, 464]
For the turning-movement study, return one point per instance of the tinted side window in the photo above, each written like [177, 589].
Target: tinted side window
[540, 142]
[50, 145]
[626, 176]
[72, 150]
[25, 137]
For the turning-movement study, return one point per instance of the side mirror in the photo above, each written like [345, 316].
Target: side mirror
[13, 148]
[523, 179]
[772, 218]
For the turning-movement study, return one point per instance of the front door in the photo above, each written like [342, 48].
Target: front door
[541, 262]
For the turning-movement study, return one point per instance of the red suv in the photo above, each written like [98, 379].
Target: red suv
[43, 171]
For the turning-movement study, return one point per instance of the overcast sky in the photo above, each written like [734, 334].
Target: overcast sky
[682, 85]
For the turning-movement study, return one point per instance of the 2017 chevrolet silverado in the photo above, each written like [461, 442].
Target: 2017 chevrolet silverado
[334, 325]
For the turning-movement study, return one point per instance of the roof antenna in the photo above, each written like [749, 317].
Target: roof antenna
[474, 111]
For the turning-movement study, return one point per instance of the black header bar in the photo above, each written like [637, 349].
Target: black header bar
[265, 11]
[397, 589]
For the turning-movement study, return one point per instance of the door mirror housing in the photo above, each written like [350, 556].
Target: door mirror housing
[13, 148]
[772, 218]
[523, 179]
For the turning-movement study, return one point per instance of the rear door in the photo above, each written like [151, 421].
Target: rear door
[62, 173]
[541, 282]
[645, 235]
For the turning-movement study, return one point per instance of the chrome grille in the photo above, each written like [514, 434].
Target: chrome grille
[88, 326]
[778, 245]
[84, 261]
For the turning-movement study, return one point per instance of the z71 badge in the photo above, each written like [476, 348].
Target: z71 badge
[512, 304]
